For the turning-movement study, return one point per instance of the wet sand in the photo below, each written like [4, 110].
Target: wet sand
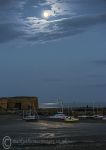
[47, 135]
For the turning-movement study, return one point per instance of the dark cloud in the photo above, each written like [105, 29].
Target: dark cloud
[5, 2]
[53, 80]
[100, 62]
[92, 85]
[97, 76]
[102, 85]
[8, 32]
[13, 4]
[18, 20]
[69, 27]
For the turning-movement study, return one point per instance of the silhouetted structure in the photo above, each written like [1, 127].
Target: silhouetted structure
[18, 103]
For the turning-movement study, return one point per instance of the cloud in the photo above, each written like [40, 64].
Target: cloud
[100, 62]
[8, 32]
[6, 2]
[13, 4]
[66, 27]
[101, 85]
[92, 85]
[22, 19]
[98, 76]
[53, 80]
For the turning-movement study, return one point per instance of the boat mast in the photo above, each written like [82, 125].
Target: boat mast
[62, 106]
[60, 102]
[93, 109]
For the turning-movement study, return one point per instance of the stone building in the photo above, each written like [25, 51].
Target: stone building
[3, 103]
[18, 103]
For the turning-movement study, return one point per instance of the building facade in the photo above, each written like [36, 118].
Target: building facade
[19, 103]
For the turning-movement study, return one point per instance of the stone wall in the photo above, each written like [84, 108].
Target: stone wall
[19, 103]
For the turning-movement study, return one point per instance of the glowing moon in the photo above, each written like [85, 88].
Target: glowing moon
[46, 14]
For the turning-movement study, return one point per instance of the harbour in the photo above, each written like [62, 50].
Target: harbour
[52, 135]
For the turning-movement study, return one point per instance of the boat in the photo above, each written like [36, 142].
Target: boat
[60, 116]
[83, 117]
[97, 116]
[104, 118]
[71, 119]
[30, 116]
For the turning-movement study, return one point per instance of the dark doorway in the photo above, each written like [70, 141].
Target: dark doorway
[18, 106]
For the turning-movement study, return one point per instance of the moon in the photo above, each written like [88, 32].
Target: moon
[46, 14]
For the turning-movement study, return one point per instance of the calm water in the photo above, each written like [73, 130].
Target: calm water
[44, 135]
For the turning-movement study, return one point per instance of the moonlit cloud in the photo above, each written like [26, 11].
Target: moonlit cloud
[64, 27]
[23, 19]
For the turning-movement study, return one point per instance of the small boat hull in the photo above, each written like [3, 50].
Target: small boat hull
[71, 120]
[30, 118]
[104, 118]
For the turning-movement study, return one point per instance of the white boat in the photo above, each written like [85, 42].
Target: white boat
[58, 116]
[71, 119]
[97, 116]
[104, 118]
[83, 116]
[29, 116]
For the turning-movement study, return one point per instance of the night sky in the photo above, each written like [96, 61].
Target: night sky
[61, 55]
